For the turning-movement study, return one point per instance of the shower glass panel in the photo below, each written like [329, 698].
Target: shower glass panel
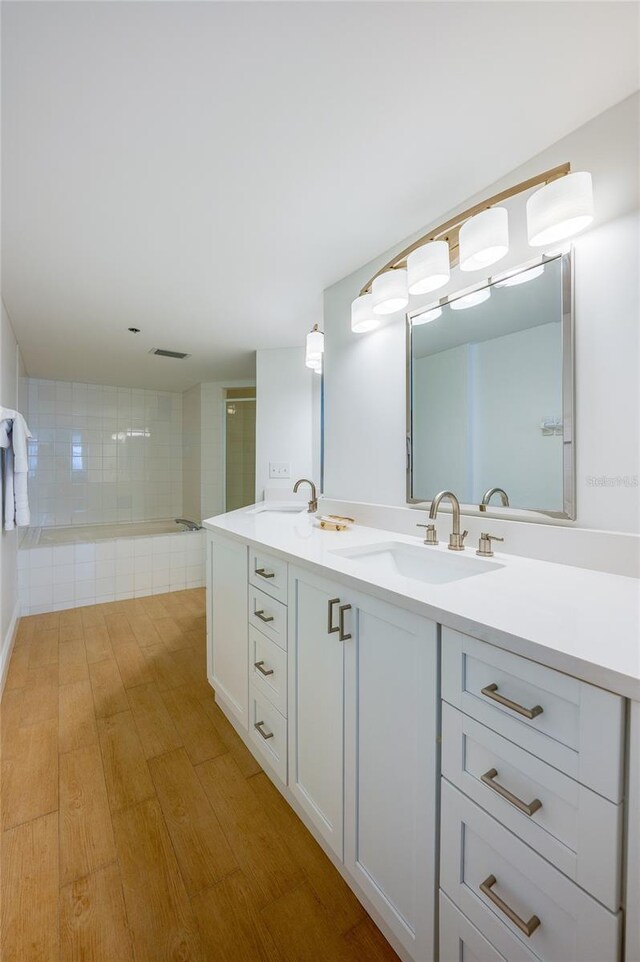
[240, 447]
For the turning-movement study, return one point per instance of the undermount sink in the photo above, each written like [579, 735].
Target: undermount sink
[278, 507]
[420, 563]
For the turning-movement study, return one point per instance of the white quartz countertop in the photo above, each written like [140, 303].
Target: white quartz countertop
[582, 622]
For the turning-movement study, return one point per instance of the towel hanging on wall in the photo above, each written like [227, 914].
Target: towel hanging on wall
[13, 440]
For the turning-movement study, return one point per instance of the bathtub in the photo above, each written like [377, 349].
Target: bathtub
[73, 566]
[78, 533]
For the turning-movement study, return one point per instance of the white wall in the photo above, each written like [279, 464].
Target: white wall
[365, 374]
[10, 369]
[287, 418]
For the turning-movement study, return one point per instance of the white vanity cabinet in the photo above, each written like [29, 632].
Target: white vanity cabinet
[227, 630]
[362, 744]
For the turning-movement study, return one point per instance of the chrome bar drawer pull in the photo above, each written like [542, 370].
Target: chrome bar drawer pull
[264, 573]
[265, 734]
[341, 611]
[263, 671]
[491, 691]
[528, 809]
[331, 628]
[527, 927]
[261, 615]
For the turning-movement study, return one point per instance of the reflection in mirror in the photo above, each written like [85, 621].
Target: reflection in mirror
[491, 392]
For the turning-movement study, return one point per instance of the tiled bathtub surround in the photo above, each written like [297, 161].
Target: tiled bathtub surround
[64, 576]
[103, 454]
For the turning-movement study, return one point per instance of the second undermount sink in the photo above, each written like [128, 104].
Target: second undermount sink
[418, 562]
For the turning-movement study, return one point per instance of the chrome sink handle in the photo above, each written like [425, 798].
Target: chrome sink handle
[431, 535]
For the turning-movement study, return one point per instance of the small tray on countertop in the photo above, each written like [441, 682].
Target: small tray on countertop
[334, 522]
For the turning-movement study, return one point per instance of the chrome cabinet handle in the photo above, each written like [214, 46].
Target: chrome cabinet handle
[491, 691]
[527, 927]
[264, 573]
[263, 671]
[341, 611]
[528, 809]
[331, 628]
[261, 615]
[265, 734]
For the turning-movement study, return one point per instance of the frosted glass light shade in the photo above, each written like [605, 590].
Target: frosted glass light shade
[484, 239]
[470, 300]
[315, 345]
[362, 317]
[426, 317]
[428, 267]
[520, 277]
[560, 209]
[390, 292]
[313, 364]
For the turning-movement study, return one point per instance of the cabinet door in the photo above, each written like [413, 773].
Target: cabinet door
[228, 649]
[391, 701]
[316, 702]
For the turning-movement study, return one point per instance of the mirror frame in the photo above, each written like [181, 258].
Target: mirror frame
[568, 394]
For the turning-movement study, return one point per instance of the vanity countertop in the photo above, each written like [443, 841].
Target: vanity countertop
[582, 622]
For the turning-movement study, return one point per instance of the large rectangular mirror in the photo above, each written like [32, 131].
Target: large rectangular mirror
[490, 392]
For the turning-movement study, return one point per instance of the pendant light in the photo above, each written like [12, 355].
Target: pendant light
[470, 300]
[560, 209]
[390, 291]
[362, 317]
[428, 267]
[314, 349]
[484, 239]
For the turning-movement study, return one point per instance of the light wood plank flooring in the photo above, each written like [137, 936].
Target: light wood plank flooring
[135, 823]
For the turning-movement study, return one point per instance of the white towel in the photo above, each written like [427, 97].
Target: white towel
[13, 438]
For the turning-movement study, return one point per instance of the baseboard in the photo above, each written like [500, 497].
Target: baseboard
[7, 646]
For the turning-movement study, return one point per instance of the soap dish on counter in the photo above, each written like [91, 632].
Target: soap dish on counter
[335, 522]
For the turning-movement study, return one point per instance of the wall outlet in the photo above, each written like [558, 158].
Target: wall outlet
[279, 469]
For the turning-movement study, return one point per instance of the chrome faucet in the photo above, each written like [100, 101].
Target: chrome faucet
[189, 525]
[456, 540]
[487, 496]
[313, 504]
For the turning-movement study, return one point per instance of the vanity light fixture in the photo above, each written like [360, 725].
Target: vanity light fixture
[474, 239]
[484, 239]
[390, 291]
[314, 349]
[428, 267]
[560, 209]
[362, 317]
[471, 299]
[426, 317]
[519, 277]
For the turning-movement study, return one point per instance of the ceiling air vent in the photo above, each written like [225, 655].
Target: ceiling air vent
[162, 353]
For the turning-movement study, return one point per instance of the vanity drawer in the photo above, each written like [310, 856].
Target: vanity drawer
[268, 616]
[268, 669]
[268, 731]
[477, 853]
[268, 573]
[460, 941]
[571, 826]
[575, 727]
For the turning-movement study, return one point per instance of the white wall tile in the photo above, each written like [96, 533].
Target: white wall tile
[89, 438]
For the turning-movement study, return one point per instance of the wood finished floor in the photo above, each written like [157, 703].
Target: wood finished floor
[135, 823]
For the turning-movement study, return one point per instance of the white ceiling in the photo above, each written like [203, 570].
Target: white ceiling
[203, 170]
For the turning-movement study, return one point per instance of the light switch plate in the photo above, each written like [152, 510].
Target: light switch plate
[279, 469]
